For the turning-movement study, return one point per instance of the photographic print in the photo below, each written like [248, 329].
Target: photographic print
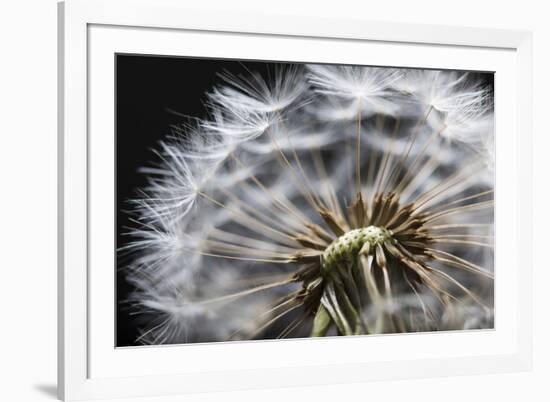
[264, 200]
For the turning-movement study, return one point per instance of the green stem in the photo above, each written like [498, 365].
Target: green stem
[321, 322]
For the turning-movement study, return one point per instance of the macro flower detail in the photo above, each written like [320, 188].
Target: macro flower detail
[320, 201]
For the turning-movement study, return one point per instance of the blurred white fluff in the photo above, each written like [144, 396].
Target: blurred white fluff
[465, 315]
[488, 151]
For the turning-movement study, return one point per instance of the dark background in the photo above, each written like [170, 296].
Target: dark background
[152, 94]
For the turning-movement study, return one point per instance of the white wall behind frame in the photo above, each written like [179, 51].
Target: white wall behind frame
[28, 173]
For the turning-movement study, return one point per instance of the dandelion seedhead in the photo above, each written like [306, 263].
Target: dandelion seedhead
[320, 201]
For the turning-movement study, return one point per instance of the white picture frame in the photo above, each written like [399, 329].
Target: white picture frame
[90, 367]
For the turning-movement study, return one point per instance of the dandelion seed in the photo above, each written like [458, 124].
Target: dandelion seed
[254, 95]
[462, 108]
[361, 88]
